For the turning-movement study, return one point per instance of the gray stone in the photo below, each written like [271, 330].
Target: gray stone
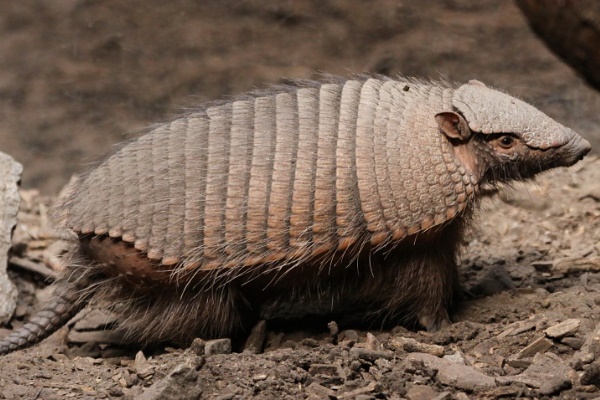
[198, 346]
[591, 374]
[554, 385]
[457, 358]
[548, 372]
[180, 384]
[217, 346]
[573, 342]
[323, 369]
[349, 334]
[10, 176]
[587, 353]
[373, 343]
[449, 373]
[421, 392]
[256, 339]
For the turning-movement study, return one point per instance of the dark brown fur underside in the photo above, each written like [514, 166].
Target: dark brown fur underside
[414, 283]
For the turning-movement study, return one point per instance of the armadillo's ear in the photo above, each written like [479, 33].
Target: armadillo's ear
[453, 125]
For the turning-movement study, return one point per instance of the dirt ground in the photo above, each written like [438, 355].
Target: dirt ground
[78, 76]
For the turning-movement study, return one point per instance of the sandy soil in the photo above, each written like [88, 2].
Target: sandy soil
[76, 75]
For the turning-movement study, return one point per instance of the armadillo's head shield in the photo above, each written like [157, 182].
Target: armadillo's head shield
[520, 140]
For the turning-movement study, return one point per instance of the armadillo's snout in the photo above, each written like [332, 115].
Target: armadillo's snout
[575, 150]
[585, 147]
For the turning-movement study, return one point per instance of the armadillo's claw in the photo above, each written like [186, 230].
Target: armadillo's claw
[64, 305]
[434, 323]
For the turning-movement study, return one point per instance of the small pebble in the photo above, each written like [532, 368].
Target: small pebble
[373, 343]
[421, 392]
[333, 328]
[140, 361]
[591, 375]
[116, 391]
[573, 342]
[554, 385]
[323, 369]
[197, 347]
[310, 342]
[545, 303]
[457, 358]
[217, 346]
[349, 334]
[256, 340]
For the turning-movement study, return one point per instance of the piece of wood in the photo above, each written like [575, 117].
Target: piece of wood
[32, 266]
[537, 346]
[565, 328]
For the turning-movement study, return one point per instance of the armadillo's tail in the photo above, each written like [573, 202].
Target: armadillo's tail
[65, 303]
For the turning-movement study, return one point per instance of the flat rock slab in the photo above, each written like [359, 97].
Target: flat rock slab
[565, 328]
[449, 373]
[548, 372]
[10, 176]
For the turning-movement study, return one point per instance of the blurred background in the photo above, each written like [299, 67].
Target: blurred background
[78, 76]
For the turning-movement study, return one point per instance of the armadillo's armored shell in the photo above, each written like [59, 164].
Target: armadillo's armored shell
[490, 111]
[281, 177]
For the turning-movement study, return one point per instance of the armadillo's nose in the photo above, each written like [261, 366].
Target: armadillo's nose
[576, 149]
[585, 148]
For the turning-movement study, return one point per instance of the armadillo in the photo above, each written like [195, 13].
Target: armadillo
[345, 199]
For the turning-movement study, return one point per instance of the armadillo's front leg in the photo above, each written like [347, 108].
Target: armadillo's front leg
[437, 287]
[422, 285]
[434, 320]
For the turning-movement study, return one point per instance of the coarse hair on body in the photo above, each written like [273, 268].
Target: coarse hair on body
[378, 289]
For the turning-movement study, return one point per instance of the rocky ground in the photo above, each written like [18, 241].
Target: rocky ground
[532, 265]
[75, 75]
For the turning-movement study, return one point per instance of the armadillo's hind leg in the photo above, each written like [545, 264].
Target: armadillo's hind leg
[65, 303]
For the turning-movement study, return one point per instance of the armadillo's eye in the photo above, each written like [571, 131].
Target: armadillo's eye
[506, 141]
